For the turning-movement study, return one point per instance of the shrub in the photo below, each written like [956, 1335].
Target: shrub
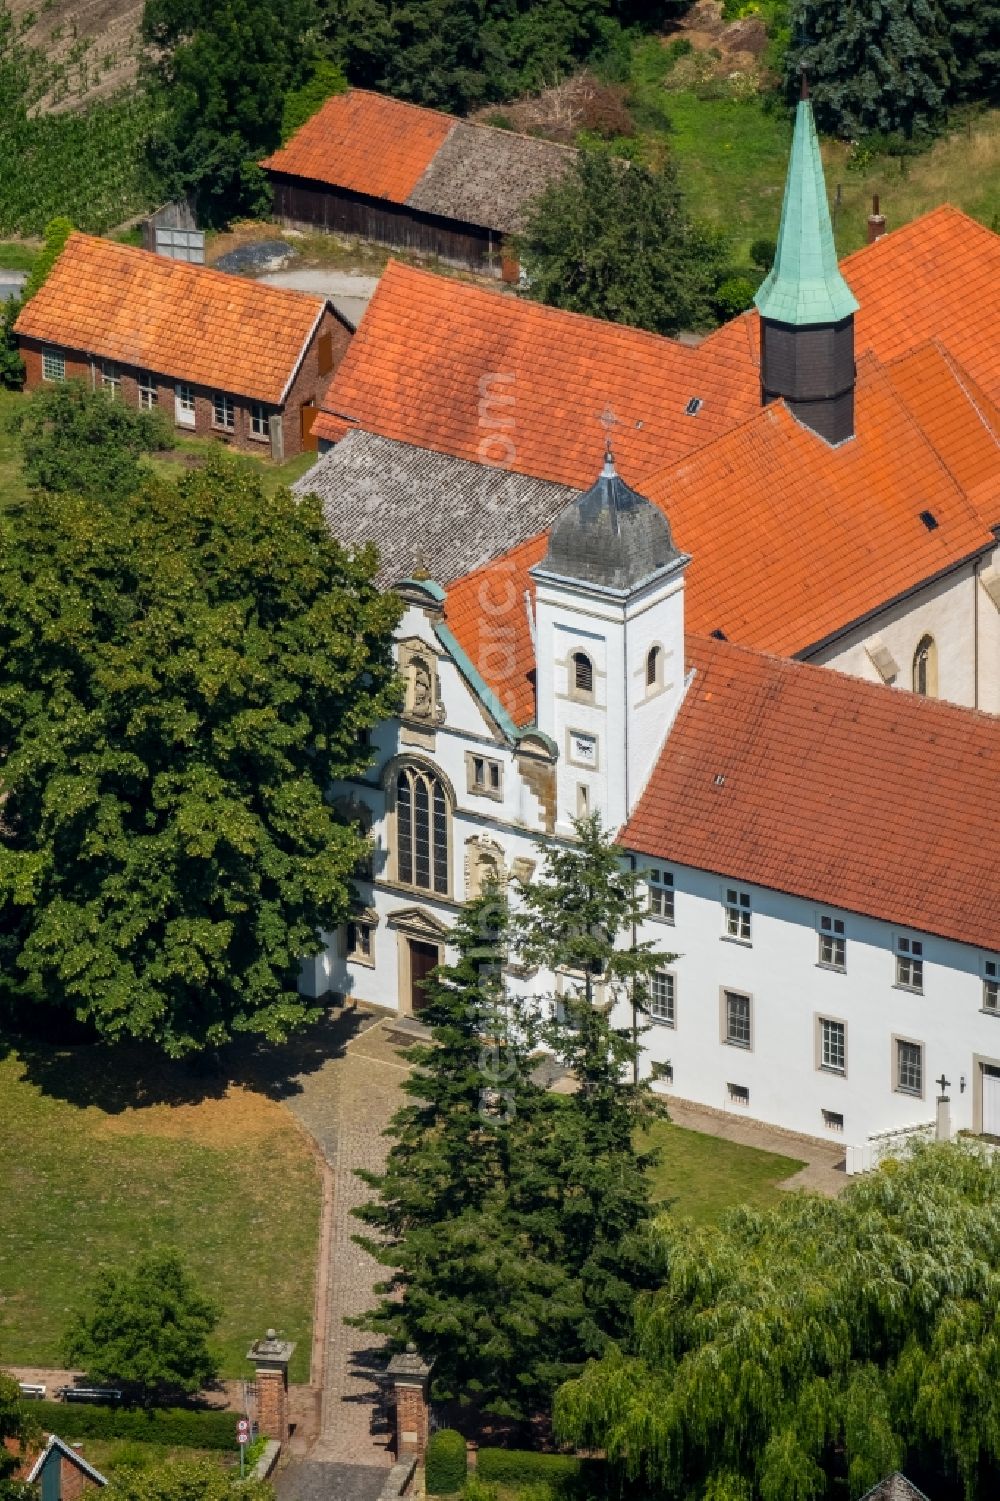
[733, 296]
[446, 1462]
[475, 1489]
[524, 1467]
[762, 253]
[178, 1427]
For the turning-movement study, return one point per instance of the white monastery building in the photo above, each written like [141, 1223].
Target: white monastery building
[714, 665]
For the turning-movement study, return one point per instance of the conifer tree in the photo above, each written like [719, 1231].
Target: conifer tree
[873, 66]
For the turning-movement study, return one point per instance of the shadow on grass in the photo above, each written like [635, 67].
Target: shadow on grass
[85, 1073]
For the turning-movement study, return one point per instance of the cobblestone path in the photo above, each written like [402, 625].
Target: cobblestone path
[345, 1105]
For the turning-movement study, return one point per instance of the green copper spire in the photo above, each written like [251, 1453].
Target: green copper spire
[804, 286]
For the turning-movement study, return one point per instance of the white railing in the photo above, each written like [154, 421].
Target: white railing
[883, 1144]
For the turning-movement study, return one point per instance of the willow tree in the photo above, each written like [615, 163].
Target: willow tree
[822, 1342]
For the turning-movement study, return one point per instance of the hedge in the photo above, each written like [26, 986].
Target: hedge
[446, 1462]
[564, 1474]
[178, 1426]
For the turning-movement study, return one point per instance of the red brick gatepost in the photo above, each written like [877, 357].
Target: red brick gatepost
[270, 1357]
[410, 1377]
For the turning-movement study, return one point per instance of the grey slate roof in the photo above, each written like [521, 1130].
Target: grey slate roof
[485, 176]
[894, 1487]
[427, 510]
[611, 536]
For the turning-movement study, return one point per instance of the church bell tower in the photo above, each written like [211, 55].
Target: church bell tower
[806, 307]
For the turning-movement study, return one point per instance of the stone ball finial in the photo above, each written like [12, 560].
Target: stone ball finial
[271, 1334]
[411, 1348]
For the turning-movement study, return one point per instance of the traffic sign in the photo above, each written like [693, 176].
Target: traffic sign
[243, 1431]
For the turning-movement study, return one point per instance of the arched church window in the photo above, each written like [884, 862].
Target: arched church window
[925, 667]
[583, 673]
[654, 667]
[422, 830]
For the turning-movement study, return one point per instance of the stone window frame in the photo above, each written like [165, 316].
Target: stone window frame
[573, 691]
[669, 1021]
[390, 778]
[366, 922]
[582, 800]
[925, 667]
[572, 760]
[53, 365]
[898, 1088]
[820, 1018]
[490, 765]
[725, 992]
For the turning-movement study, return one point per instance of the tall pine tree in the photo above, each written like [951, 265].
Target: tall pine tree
[874, 65]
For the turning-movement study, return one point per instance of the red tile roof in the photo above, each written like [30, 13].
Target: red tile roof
[792, 540]
[936, 278]
[186, 322]
[430, 352]
[367, 143]
[426, 344]
[832, 789]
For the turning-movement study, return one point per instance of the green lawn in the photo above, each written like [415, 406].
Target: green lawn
[18, 255]
[703, 1176]
[92, 1175]
[733, 157]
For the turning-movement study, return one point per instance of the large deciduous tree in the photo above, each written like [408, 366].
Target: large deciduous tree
[183, 673]
[224, 68]
[146, 1330]
[613, 239]
[808, 1351]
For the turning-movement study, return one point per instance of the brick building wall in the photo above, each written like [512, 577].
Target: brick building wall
[326, 349]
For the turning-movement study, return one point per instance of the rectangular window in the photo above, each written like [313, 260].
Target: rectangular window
[582, 749]
[582, 800]
[739, 1094]
[909, 1067]
[662, 1073]
[111, 381]
[184, 414]
[833, 1120]
[258, 421]
[991, 985]
[832, 942]
[661, 893]
[832, 1046]
[910, 963]
[662, 997]
[223, 411]
[53, 365]
[484, 776]
[738, 914]
[148, 394]
[736, 1019]
[359, 942]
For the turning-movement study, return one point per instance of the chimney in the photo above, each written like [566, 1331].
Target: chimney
[876, 222]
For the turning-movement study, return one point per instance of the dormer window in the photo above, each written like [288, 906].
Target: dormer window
[583, 675]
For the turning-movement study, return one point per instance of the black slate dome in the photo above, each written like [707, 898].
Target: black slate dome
[610, 536]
